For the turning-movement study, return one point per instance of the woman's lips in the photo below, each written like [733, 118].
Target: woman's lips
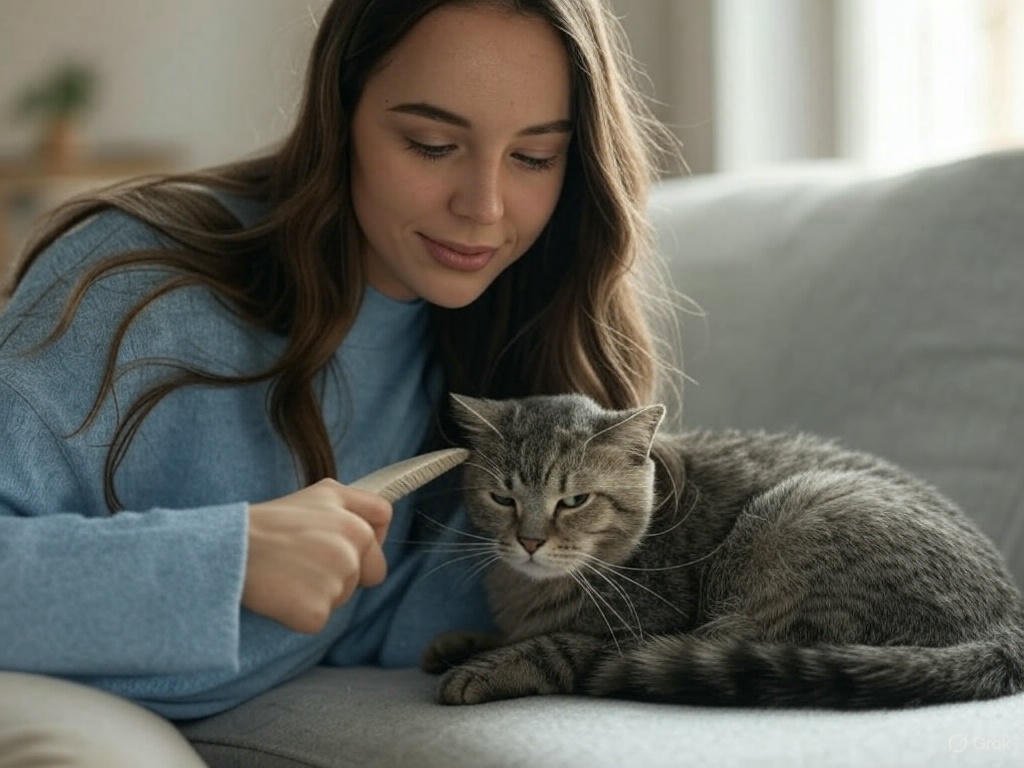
[460, 257]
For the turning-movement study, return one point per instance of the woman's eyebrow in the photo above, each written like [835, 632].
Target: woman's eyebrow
[434, 112]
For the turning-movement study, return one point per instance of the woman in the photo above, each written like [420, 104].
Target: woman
[192, 368]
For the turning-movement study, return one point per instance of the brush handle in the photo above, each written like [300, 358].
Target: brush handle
[402, 478]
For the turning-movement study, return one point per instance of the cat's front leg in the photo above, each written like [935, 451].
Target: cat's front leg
[545, 664]
[449, 649]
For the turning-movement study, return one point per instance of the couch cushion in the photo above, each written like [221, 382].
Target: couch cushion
[383, 718]
[885, 311]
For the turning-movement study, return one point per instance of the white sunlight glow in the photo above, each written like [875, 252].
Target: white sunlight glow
[929, 80]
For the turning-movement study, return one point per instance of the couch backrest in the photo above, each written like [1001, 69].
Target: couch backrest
[885, 311]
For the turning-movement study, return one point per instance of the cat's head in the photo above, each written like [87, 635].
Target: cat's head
[557, 480]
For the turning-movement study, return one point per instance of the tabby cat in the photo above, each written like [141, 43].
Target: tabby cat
[718, 568]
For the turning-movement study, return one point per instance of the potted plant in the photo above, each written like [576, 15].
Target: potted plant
[58, 101]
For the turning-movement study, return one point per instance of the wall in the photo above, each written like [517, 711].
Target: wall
[673, 44]
[773, 82]
[220, 78]
[745, 82]
[216, 78]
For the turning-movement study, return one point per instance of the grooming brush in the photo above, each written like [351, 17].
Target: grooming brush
[402, 478]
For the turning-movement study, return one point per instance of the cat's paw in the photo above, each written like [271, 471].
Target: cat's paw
[466, 685]
[503, 673]
[540, 665]
[450, 649]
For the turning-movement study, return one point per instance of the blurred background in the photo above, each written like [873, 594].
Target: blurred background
[96, 90]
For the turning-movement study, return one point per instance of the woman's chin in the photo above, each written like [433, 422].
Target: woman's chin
[452, 296]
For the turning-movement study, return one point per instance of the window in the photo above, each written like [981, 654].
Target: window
[928, 80]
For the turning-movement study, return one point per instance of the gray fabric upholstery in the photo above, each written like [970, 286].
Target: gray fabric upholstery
[382, 718]
[887, 312]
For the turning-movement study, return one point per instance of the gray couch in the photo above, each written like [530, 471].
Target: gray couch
[886, 311]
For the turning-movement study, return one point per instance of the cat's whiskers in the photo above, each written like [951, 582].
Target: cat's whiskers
[466, 489]
[454, 530]
[452, 561]
[491, 472]
[583, 447]
[476, 413]
[477, 453]
[682, 520]
[675, 496]
[595, 592]
[589, 592]
[639, 634]
[428, 493]
[602, 564]
[669, 567]
[446, 546]
[478, 569]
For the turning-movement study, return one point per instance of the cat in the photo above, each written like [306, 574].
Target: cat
[717, 568]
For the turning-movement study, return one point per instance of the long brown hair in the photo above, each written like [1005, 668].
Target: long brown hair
[565, 317]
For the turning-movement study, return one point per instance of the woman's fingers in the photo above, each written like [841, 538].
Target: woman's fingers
[310, 550]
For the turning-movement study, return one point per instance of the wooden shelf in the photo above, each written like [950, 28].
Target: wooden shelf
[31, 186]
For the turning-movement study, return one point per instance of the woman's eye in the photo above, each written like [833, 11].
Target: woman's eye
[537, 163]
[571, 502]
[504, 501]
[439, 151]
[430, 151]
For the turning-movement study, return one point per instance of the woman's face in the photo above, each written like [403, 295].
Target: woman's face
[459, 146]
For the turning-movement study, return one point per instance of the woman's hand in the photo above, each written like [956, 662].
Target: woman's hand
[308, 552]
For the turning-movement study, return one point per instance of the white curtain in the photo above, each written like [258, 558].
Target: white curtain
[773, 82]
[751, 83]
[929, 80]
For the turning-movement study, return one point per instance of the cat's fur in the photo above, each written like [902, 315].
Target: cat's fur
[719, 568]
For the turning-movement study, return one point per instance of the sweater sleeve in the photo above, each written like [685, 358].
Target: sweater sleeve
[137, 593]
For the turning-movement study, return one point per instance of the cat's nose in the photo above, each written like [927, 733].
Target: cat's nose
[531, 545]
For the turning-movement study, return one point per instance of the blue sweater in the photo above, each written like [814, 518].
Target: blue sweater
[146, 603]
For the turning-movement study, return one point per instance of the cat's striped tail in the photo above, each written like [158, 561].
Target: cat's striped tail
[685, 669]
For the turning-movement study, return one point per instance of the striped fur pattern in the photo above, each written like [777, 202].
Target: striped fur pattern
[720, 568]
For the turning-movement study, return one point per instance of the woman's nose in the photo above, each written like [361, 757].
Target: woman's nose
[479, 195]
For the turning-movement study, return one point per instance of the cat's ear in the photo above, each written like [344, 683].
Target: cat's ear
[478, 417]
[633, 429]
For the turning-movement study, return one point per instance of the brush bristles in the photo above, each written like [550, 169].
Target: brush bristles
[402, 478]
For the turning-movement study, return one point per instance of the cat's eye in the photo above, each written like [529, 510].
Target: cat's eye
[571, 502]
[504, 501]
